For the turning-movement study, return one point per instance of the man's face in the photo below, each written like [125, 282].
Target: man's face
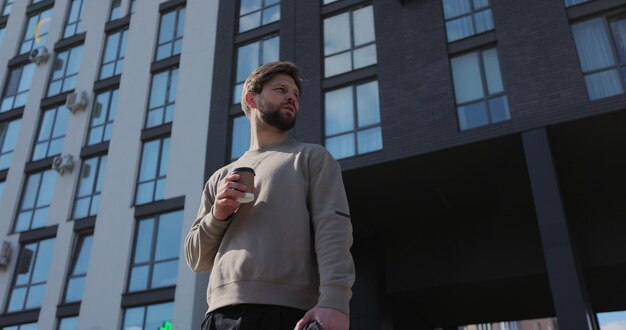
[279, 102]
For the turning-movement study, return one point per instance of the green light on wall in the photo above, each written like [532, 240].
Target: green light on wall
[167, 325]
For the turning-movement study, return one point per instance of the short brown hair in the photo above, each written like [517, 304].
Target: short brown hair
[265, 73]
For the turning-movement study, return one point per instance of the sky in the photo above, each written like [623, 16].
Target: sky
[612, 321]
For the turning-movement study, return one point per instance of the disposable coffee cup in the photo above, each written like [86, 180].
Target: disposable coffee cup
[246, 176]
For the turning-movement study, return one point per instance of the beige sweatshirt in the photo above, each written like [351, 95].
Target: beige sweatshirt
[263, 254]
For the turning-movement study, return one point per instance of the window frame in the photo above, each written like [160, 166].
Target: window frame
[31, 269]
[352, 47]
[94, 192]
[115, 10]
[132, 6]
[51, 138]
[32, 40]
[4, 151]
[109, 112]
[2, 29]
[77, 249]
[485, 88]
[473, 11]
[355, 115]
[65, 76]
[618, 65]
[154, 243]
[167, 95]
[36, 200]
[242, 117]
[17, 82]
[158, 177]
[7, 4]
[145, 311]
[61, 319]
[261, 10]
[236, 94]
[77, 24]
[120, 53]
[175, 38]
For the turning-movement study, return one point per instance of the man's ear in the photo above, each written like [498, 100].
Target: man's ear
[250, 100]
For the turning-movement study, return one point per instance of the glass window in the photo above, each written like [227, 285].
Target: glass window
[102, 117]
[162, 98]
[31, 275]
[78, 271]
[8, 141]
[114, 53]
[6, 7]
[65, 71]
[89, 188]
[149, 317]
[132, 6]
[29, 326]
[240, 137]
[352, 120]
[171, 33]
[153, 171]
[1, 34]
[51, 133]
[156, 251]
[478, 89]
[1, 189]
[254, 13]
[116, 10]
[569, 3]
[36, 198]
[251, 56]
[68, 323]
[466, 18]
[601, 46]
[16, 87]
[349, 41]
[74, 22]
[36, 31]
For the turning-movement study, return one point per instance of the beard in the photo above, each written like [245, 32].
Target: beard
[271, 115]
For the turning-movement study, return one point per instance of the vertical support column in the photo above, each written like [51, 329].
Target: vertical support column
[568, 290]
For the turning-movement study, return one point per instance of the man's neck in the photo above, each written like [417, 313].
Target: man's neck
[267, 136]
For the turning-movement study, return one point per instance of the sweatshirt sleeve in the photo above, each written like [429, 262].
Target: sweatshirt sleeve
[205, 235]
[330, 214]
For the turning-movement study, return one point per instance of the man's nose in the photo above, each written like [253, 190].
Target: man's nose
[291, 96]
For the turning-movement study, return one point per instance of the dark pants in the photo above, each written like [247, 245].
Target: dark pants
[252, 317]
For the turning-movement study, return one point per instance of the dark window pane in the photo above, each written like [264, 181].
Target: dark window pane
[473, 115]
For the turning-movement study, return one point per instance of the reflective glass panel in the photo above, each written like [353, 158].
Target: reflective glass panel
[467, 79]
[8, 140]
[68, 323]
[369, 140]
[240, 137]
[169, 235]
[339, 111]
[368, 108]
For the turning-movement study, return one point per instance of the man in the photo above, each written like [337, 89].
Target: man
[282, 260]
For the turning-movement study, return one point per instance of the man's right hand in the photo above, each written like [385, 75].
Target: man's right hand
[226, 199]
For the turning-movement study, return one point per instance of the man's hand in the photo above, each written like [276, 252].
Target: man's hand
[328, 319]
[226, 199]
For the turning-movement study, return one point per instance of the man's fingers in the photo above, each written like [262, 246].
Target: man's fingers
[308, 317]
[232, 178]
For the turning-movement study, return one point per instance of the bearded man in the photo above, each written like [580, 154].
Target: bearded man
[282, 260]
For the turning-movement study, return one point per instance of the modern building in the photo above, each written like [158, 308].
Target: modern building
[481, 143]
